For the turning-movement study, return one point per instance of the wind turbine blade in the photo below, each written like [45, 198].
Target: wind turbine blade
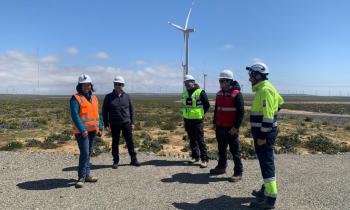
[188, 17]
[176, 26]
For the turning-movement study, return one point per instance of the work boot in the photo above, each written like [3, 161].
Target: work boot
[115, 165]
[135, 163]
[80, 183]
[217, 171]
[204, 164]
[235, 178]
[262, 204]
[90, 179]
[193, 161]
[259, 194]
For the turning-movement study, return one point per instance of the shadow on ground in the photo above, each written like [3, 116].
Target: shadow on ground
[188, 178]
[47, 184]
[93, 167]
[161, 163]
[223, 202]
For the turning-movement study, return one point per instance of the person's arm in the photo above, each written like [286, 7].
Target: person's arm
[131, 109]
[205, 101]
[105, 111]
[75, 114]
[239, 104]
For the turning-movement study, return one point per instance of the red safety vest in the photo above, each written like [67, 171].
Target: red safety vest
[225, 108]
[88, 113]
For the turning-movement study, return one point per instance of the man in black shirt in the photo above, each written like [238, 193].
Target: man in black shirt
[118, 115]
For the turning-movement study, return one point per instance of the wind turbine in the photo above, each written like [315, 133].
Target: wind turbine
[186, 31]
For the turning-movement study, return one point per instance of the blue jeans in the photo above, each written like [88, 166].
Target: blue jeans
[85, 147]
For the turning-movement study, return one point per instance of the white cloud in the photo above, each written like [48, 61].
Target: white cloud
[102, 55]
[229, 46]
[72, 50]
[50, 59]
[19, 73]
[138, 63]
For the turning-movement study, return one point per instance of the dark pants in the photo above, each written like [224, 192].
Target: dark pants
[224, 139]
[265, 155]
[195, 132]
[85, 148]
[127, 133]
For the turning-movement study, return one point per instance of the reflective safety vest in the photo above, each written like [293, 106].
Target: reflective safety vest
[265, 106]
[192, 107]
[225, 115]
[88, 113]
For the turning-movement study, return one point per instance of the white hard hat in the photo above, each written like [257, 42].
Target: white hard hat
[119, 79]
[226, 74]
[84, 78]
[259, 67]
[188, 77]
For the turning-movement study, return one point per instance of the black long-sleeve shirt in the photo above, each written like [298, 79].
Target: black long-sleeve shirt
[117, 110]
[239, 104]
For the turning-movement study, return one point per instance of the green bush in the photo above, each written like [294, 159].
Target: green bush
[247, 150]
[171, 125]
[150, 146]
[321, 143]
[100, 146]
[163, 140]
[48, 144]
[14, 145]
[288, 143]
[33, 143]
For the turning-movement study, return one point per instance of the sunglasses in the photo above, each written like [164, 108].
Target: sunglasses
[223, 80]
[119, 84]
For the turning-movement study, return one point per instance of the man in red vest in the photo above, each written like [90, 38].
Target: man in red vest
[228, 117]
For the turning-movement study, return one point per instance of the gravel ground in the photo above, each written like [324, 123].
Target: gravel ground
[46, 181]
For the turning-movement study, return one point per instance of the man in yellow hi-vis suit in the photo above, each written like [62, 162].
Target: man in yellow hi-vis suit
[263, 120]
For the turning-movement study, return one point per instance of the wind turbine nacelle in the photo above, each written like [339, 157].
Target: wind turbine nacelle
[190, 30]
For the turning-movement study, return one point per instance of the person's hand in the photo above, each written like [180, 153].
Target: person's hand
[99, 133]
[107, 129]
[85, 134]
[261, 142]
[132, 126]
[234, 131]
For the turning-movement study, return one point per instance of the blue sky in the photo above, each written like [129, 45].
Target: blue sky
[306, 43]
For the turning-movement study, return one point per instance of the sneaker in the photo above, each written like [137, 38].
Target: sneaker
[193, 161]
[217, 171]
[90, 179]
[135, 163]
[115, 165]
[80, 183]
[204, 164]
[235, 178]
[262, 205]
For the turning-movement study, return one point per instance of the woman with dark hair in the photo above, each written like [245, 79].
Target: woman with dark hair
[86, 125]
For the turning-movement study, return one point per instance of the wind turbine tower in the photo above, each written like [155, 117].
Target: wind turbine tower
[186, 33]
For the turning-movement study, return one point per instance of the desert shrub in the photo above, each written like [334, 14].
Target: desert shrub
[186, 148]
[48, 144]
[169, 125]
[321, 143]
[301, 130]
[247, 150]
[12, 146]
[288, 143]
[308, 119]
[100, 146]
[33, 143]
[248, 133]
[210, 140]
[185, 138]
[163, 140]
[150, 146]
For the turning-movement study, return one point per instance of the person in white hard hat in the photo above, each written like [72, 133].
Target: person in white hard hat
[263, 121]
[86, 124]
[118, 116]
[228, 117]
[194, 106]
